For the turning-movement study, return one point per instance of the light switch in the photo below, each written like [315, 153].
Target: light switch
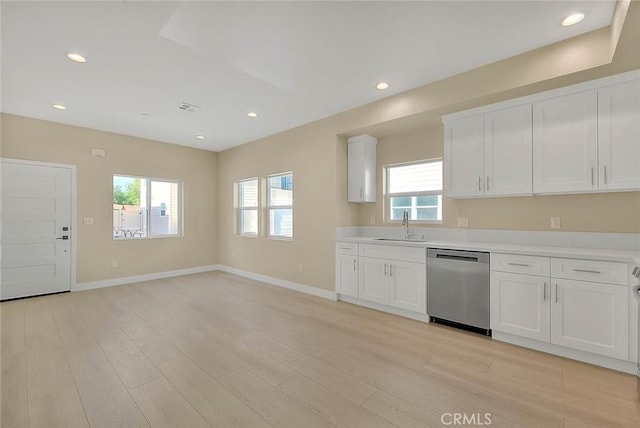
[88, 220]
[463, 221]
[555, 222]
[98, 153]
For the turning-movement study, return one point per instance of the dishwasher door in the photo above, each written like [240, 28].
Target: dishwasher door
[458, 287]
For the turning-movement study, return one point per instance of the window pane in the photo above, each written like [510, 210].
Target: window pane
[249, 221]
[428, 214]
[129, 207]
[421, 177]
[422, 201]
[248, 193]
[281, 222]
[164, 194]
[396, 214]
[404, 201]
[280, 188]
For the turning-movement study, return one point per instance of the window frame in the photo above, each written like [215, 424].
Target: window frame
[240, 209]
[269, 207]
[179, 211]
[388, 195]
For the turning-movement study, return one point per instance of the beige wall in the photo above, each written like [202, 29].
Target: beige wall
[32, 139]
[603, 212]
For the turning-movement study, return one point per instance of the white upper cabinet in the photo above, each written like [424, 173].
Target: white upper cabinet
[489, 154]
[507, 151]
[463, 155]
[619, 136]
[577, 139]
[565, 139]
[361, 167]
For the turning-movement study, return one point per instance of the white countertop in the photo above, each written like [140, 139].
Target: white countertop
[624, 256]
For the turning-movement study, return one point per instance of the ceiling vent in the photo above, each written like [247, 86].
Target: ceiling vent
[188, 107]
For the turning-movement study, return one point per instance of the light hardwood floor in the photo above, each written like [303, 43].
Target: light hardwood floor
[215, 349]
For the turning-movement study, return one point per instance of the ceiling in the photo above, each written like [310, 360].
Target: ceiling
[290, 62]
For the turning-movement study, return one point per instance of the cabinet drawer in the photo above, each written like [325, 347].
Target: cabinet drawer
[528, 265]
[590, 270]
[347, 248]
[394, 252]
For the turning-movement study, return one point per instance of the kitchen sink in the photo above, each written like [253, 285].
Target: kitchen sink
[401, 240]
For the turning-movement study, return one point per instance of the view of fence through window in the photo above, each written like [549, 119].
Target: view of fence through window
[144, 207]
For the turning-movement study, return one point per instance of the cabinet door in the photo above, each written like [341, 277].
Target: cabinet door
[520, 305]
[408, 286]
[464, 157]
[508, 152]
[591, 317]
[619, 136]
[361, 169]
[565, 144]
[372, 281]
[347, 275]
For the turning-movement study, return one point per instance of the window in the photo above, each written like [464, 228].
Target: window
[414, 187]
[145, 207]
[248, 207]
[280, 205]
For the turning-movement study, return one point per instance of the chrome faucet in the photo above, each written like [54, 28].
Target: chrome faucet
[405, 222]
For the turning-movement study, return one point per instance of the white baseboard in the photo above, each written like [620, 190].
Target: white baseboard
[302, 288]
[141, 278]
[587, 357]
[384, 308]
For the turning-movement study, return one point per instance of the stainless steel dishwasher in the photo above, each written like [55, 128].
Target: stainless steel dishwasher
[458, 288]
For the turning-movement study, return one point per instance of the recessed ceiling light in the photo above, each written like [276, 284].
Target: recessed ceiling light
[58, 106]
[572, 19]
[76, 57]
[200, 137]
[252, 114]
[382, 86]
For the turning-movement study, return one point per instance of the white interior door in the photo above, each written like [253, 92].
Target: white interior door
[35, 217]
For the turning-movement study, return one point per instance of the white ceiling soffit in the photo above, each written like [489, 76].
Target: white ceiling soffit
[291, 62]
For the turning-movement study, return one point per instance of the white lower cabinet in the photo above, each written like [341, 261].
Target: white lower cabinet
[395, 283]
[520, 305]
[347, 268]
[590, 316]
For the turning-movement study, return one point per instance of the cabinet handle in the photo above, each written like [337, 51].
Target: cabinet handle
[385, 269]
[479, 184]
[587, 271]
[354, 264]
[390, 269]
[518, 264]
[544, 296]
[592, 183]
[487, 183]
[605, 174]
[556, 293]
[346, 248]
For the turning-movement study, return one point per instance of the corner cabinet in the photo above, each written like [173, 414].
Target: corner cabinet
[361, 168]
[489, 154]
[577, 139]
[578, 304]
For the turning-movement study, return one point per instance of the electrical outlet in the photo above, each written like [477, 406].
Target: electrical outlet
[555, 222]
[87, 220]
[463, 221]
[372, 220]
[114, 264]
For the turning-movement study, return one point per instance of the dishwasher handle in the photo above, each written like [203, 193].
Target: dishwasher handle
[458, 255]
